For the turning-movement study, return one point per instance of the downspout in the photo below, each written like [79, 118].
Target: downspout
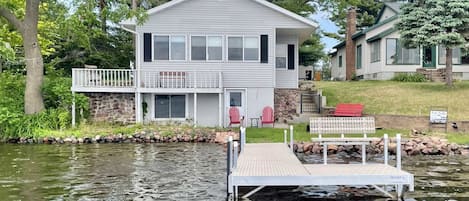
[138, 114]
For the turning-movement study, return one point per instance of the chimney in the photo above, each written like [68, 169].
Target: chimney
[349, 43]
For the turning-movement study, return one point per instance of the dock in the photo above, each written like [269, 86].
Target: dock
[275, 164]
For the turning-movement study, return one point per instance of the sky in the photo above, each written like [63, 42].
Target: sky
[328, 26]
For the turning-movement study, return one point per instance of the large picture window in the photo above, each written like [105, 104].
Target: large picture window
[168, 47]
[170, 106]
[375, 49]
[396, 54]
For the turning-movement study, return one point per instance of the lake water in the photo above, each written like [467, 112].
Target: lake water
[185, 172]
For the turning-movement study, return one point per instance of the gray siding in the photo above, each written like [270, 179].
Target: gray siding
[221, 17]
[288, 78]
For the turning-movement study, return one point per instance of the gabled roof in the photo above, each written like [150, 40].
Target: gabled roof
[262, 2]
[394, 6]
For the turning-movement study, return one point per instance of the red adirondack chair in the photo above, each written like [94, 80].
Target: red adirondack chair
[267, 116]
[234, 116]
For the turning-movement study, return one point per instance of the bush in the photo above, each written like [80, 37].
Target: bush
[57, 99]
[412, 77]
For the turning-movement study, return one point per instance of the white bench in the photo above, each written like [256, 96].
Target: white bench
[343, 126]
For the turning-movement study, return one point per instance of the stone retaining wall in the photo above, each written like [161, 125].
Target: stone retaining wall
[286, 103]
[112, 107]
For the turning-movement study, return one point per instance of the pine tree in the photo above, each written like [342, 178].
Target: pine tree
[436, 22]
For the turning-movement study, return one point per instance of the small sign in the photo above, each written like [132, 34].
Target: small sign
[438, 117]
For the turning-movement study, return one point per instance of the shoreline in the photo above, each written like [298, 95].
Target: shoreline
[410, 147]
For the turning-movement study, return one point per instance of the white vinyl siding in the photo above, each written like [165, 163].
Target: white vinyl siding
[203, 17]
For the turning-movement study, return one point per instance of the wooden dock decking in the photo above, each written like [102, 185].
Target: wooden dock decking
[274, 164]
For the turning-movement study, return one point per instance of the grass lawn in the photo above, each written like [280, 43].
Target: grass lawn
[403, 98]
[265, 135]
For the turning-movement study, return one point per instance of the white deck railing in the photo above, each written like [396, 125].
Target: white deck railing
[147, 79]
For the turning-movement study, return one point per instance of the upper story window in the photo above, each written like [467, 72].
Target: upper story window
[167, 47]
[375, 51]
[243, 48]
[206, 48]
[396, 54]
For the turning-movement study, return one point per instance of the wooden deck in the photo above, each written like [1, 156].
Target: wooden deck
[274, 164]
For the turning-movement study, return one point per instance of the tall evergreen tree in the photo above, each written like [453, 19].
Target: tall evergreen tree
[436, 22]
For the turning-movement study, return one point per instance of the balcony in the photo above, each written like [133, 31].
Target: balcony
[146, 81]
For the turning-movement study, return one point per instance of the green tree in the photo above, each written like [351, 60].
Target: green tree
[367, 11]
[435, 22]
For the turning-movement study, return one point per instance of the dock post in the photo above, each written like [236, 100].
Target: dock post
[285, 136]
[386, 149]
[291, 138]
[398, 164]
[398, 151]
[242, 138]
[229, 153]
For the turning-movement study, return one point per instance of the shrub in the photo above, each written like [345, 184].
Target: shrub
[409, 77]
[57, 98]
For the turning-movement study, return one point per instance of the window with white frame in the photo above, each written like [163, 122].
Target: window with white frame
[170, 106]
[214, 48]
[235, 48]
[207, 48]
[397, 54]
[375, 49]
[251, 48]
[243, 48]
[167, 47]
[281, 56]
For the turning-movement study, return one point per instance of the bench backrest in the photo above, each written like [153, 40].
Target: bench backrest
[342, 125]
[348, 109]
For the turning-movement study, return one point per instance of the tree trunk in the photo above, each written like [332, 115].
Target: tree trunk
[449, 67]
[102, 15]
[33, 101]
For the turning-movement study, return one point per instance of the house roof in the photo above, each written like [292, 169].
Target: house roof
[262, 2]
[381, 35]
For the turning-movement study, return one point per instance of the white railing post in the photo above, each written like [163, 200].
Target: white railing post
[398, 151]
[195, 79]
[291, 139]
[285, 136]
[229, 160]
[242, 138]
[235, 154]
[386, 141]
[220, 79]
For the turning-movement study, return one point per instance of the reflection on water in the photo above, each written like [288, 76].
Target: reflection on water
[112, 172]
[187, 172]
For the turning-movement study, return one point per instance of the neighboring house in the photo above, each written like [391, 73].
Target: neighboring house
[197, 58]
[378, 54]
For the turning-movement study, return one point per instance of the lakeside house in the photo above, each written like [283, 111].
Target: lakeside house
[197, 58]
[375, 53]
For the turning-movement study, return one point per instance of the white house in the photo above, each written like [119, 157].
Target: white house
[197, 58]
[378, 54]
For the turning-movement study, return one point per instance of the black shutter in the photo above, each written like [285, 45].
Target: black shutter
[264, 49]
[291, 57]
[147, 47]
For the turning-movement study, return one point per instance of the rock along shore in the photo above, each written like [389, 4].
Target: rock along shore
[410, 147]
[139, 137]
